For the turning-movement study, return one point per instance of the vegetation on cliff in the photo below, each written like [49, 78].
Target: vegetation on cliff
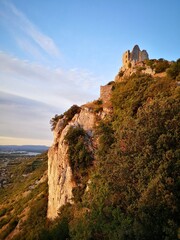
[68, 115]
[133, 192]
[80, 158]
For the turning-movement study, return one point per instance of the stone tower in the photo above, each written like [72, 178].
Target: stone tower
[143, 55]
[136, 52]
[126, 58]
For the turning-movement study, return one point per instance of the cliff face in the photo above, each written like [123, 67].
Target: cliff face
[60, 177]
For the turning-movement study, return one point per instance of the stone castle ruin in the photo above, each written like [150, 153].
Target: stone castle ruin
[131, 62]
[132, 58]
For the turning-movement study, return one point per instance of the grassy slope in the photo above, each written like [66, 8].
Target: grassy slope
[28, 188]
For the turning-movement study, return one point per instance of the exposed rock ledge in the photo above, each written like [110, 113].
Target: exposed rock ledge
[60, 178]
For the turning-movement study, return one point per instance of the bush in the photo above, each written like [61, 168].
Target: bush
[3, 212]
[150, 63]
[161, 66]
[121, 73]
[54, 121]
[80, 155]
[69, 114]
[78, 193]
[12, 225]
[174, 70]
[111, 83]
[4, 221]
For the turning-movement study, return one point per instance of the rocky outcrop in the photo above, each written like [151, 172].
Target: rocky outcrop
[60, 177]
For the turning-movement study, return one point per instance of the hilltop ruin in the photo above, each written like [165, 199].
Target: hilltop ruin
[131, 58]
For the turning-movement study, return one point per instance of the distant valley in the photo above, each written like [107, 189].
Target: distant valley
[12, 155]
[23, 148]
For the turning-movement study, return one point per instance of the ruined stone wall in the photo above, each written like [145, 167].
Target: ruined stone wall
[143, 55]
[126, 58]
[134, 57]
[105, 93]
[135, 53]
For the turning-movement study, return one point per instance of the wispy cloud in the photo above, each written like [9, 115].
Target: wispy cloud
[26, 45]
[49, 85]
[31, 94]
[24, 118]
[19, 23]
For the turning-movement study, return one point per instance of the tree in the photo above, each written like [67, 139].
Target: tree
[174, 70]
[54, 121]
[161, 65]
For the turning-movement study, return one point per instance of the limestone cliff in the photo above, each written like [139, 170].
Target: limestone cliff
[60, 177]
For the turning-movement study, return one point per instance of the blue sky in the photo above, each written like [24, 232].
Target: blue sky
[54, 54]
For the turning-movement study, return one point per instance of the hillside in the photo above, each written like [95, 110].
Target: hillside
[114, 164]
[23, 199]
[113, 168]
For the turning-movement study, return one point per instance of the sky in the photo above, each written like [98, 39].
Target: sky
[54, 54]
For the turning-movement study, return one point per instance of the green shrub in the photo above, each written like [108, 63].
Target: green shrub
[97, 106]
[121, 73]
[4, 221]
[150, 63]
[54, 121]
[69, 114]
[12, 225]
[111, 83]
[174, 70]
[3, 212]
[98, 102]
[161, 66]
[80, 155]
[78, 193]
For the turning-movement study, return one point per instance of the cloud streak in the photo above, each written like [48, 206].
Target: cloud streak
[31, 94]
[24, 118]
[18, 22]
[49, 85]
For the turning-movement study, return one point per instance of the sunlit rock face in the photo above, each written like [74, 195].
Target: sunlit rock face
[60, 177]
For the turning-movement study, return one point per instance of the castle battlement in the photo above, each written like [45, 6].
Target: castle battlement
[131, 58]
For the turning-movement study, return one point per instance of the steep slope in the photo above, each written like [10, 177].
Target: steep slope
[131, 189]
[23, 201]
[60, 178]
